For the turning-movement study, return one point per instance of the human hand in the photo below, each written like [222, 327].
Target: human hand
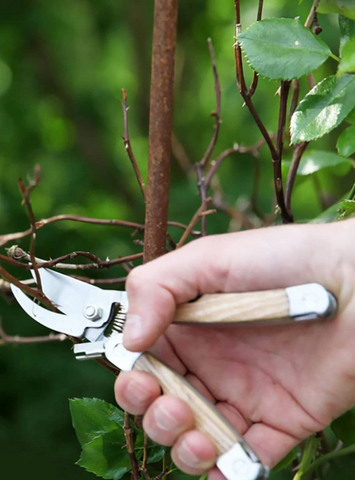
[276, 385]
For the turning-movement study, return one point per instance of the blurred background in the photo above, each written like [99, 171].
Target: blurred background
[62, 68]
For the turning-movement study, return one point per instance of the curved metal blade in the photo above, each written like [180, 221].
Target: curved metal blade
[54, 321]
[69, 294]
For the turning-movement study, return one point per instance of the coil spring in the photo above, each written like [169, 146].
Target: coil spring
[120, 319]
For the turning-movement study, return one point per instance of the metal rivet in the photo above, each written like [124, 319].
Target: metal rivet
[91, 312]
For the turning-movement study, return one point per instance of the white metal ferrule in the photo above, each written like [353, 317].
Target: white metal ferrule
[237, 464]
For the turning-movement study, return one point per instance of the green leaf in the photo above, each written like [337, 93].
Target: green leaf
[106, 456]
[347, 210]
[92, 417]
[314, 160]
[346, 142]
[282, 48]
[351, 117]
[347, 64]
[328, 216]
[347, 31]
[155, 452]
[323, 108]
[343, 7]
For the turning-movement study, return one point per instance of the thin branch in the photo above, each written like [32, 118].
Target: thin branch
[74, 218]
[312, 14]
[138, 227]
[243, 90]
[284, 91]
[291, 177]
[128, 147]
[100, 281]
[198, 215]
[202, 186]
[17, 340]
[295, 96]
[145, 451]
[275, 152]
[26, 192]
[162, 474]
[254, 83]
[56, 263]
[217, 113]
[24, 287]
[94, 221]
[128, 433]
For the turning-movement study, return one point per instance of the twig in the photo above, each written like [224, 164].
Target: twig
[160, 127]
[143, 467]
[95, 221]
[276, 160]
[312, 14]
[56, 263]
[200, 212]
[254, 83]
[26, 192]
[162, 474]
[295, 96]
[291, 177]
[217, 113]
[17, 340]
[11, 237]
[101, 281]
[218, 162]
[202, 185]
[277, 165]
[30, 291]
[128, 433]
[128, 147]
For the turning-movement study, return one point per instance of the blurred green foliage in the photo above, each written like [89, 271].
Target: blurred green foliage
[62, 67]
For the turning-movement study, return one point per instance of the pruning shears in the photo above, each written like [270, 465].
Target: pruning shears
[98, 316]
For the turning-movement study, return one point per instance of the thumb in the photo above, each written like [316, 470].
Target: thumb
[261, 259]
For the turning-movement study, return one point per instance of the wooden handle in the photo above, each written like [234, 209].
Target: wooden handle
[208, 419]
[235, 308]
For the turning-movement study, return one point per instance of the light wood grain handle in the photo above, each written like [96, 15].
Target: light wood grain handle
[207, 418]
[235, 308]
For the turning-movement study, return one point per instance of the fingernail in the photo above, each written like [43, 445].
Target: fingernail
[164, 420]
[187, 457]
[133, 330]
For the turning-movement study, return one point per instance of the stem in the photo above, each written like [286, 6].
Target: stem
[127, 144]
[16, 340]
[334, 57]
[275, 151]
[160, 127]
[198, 215]
[26, 192]
[202, 184]
[217, 113]
[352, 193]
[276, 161]
[291, 177]
[128, 433]
[329, 456]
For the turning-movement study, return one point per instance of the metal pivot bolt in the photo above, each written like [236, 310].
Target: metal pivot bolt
[92, 312]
